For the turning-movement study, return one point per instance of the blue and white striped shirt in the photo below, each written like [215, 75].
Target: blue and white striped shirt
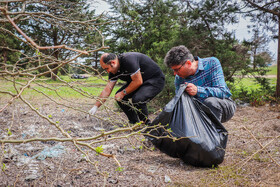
[209, 79]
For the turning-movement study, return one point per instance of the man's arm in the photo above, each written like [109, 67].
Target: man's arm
[218, 87]
[103, 96]
[105, 93]
[136, 82]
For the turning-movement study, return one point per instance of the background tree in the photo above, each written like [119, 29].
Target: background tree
[149, 27]
[46, 24]
[260, 58]
[203, 31]
[267, 14]
[7, 44]
[46, 31]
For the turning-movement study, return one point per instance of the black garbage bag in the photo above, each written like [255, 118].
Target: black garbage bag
[185, 116]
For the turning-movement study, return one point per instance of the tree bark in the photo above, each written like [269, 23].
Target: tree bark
[4, 58]
[278, 62]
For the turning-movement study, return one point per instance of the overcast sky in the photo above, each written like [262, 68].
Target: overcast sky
[240, 29]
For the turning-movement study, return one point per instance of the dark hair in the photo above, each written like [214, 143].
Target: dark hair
[178, 55]
[108, 57]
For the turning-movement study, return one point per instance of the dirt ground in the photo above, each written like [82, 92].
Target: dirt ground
[252, 155]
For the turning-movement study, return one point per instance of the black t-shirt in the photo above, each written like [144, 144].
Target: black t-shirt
[131, 63]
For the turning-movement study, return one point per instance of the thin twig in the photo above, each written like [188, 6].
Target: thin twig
[18, 95]
[261, 145]
[252, 156]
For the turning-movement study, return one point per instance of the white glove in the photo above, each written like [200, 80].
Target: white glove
[93, 110]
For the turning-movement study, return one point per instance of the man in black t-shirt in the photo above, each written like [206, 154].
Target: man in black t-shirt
[144, 80]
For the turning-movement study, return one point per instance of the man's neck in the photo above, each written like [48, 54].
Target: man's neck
[195, 66]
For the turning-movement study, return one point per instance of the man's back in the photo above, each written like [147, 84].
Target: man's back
[132, 62]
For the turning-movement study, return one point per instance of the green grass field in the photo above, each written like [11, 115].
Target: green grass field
[272, 70]
[71, 88]
[93, 86]
[250, 83]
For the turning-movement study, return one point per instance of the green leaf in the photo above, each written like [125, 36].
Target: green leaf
[38, 52]
[3, 167]
[119, 169]
[9, 132]
[99, 149]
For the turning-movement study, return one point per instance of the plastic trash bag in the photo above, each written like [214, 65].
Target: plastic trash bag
[50, 152]
[206, 137]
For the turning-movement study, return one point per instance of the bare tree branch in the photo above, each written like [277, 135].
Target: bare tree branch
[263, 7]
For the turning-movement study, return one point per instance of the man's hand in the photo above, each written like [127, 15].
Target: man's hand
[93, 110]
[119, 96]
[191, 89]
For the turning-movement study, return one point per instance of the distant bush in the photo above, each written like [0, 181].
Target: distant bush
[255, 96]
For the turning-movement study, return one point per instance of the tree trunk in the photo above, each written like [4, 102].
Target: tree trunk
[96, 59]
[55, 53]
[278, 62]
[5, 58]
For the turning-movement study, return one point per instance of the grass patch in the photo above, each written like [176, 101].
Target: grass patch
[88, 87]
[272, 70]
[250, 83]
[66, 92]
[225, 176]
[66, 78]
[95, 79]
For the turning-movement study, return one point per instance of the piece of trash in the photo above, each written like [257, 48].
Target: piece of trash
[49, 142]
[112, 180]
[99, 128]
[90, 117]
[167, 179]
[31, 177]
[109, 146]
[23, 136]
[62, 110]
[50, 152]
[25, 154]
[152, 169]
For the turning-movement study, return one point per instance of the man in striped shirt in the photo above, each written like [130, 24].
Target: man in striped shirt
[204, 78]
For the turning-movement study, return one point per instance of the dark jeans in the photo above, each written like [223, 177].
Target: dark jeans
[224, 109]
[137, 110]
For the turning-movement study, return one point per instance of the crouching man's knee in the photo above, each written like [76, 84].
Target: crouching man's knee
[223, 109]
